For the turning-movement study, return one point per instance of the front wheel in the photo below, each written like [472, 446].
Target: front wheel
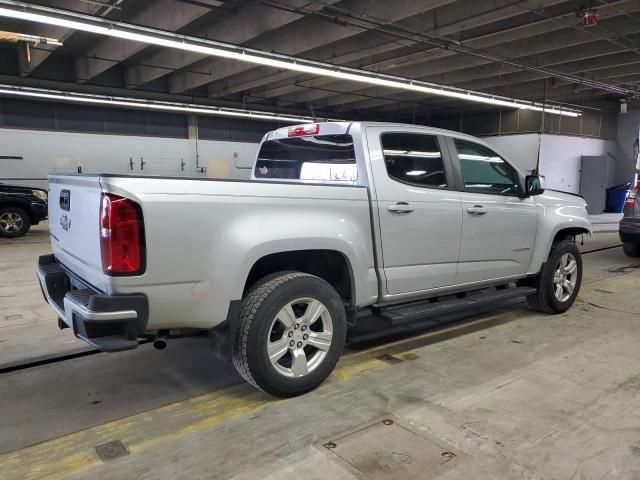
[292, 332]
[559, 280]
[14, 222]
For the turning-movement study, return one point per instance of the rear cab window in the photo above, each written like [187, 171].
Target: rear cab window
[313, 158]
[414, 159]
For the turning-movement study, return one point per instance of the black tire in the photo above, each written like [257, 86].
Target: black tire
[545, 300]
[631, 249]
[16, 214]
[258, 312]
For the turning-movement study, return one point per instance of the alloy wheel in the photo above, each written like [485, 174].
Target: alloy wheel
[565, 277]
[11, 222]
[300, 337]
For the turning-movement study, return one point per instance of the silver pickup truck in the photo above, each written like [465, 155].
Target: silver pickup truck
[339, 222]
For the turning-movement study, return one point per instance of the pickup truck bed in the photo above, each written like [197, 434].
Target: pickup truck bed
[195, 226]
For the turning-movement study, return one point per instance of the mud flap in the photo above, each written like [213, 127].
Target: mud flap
[223, 336]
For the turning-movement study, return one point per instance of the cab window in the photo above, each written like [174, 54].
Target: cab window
[322, 158]
[484, 171]
[414, 159]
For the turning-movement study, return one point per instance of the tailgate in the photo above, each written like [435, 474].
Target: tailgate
[74, 224]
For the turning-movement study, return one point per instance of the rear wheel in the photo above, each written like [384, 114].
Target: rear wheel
[559, 280]
[631, 249]
[14, 222]
[292, 332]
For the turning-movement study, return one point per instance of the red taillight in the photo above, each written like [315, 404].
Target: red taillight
[121, 236]
[302, 130]
[631, 198]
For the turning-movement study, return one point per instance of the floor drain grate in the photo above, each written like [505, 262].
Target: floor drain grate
[111, 450]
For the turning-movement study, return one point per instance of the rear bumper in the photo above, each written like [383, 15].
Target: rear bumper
[630, 229]
[110, 323]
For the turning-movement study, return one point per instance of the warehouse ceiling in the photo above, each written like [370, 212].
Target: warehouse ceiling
[526, 49]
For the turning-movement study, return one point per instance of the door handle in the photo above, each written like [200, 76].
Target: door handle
[401, 207]
[477, 210]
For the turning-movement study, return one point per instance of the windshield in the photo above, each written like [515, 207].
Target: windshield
[326, 158]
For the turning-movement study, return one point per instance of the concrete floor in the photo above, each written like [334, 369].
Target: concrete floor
[501, 394]
[26, 329]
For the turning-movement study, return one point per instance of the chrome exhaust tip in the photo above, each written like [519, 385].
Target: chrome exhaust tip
[160, 343]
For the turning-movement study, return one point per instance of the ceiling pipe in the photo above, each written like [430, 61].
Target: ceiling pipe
[144, 104]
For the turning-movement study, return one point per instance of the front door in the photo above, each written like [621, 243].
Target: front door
[498, 226]
[418, 209]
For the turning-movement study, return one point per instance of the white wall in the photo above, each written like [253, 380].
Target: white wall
[47, 152]
[521, 150]
[560, 155]
[561, 159]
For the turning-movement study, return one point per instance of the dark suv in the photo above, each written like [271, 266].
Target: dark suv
[20, 207]
[630, 223]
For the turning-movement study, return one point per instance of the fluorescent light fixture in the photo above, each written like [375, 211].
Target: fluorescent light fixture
[556, 111]
[101, 26]
[147, 104]
[415, 173]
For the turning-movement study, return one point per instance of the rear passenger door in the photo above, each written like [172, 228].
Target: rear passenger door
[418, 209]
[498, 225]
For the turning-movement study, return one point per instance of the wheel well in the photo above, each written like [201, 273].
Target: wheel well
[331, 266]
[569, 232]
[20, 206]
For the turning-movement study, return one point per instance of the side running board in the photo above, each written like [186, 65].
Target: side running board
[402, 314]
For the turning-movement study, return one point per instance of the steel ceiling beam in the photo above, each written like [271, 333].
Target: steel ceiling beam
[447, 22]
[300, 37]
[121, 30]
[250, 21]
[445, 67]
[501, 80]
[162, 14]
[28, 62]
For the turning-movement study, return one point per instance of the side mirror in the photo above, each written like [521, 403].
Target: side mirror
[534, 185]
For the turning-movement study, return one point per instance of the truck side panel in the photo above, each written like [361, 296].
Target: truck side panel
[205, 236]
[559, 213]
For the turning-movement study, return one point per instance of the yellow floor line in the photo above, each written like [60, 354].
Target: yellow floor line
[75, 453]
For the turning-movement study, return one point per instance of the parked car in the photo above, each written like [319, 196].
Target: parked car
[340, 221]
[630, 224]
[20, 208]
